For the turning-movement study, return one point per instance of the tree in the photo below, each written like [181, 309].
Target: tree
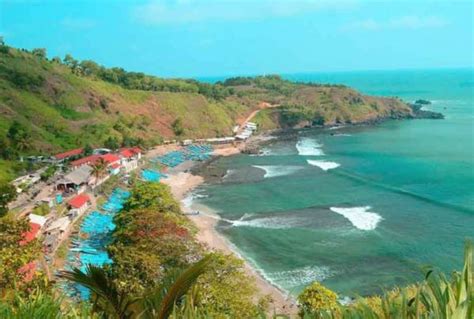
[98, 169]
[3, 47]
[39, 52]
[112, 143]
[57, 60]
[88, 150]
[155, 196]
[158, 302]
[70, 62]
[6, 151]
[14, 252]
[177, 126]
[226, 289]
[48, 173]
[19, 136]
[316, 300]
[7, 194]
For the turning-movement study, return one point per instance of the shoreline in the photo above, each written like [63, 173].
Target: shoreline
[182, 184]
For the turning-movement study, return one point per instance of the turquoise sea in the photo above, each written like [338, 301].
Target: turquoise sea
[358, 208]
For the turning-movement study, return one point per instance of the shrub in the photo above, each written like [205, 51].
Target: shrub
[316, 299]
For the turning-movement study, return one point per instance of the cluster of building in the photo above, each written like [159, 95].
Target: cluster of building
[71, 188]
[247, 131]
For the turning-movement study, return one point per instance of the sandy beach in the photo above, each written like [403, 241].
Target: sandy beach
[181, 183]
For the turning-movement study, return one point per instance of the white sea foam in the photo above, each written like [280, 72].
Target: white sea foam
[309, 147]
[342, 134]
[324, 165]
[277, 170]
[360, 217]
[337, 127]
[300, 276]
[228, 173]
[264, 222]
[189, 199]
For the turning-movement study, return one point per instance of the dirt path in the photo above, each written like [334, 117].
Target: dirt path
[261, 106]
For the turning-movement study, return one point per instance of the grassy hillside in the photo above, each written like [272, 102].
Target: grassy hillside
[60, 104]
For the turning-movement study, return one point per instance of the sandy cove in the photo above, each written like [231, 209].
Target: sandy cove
[181, 183]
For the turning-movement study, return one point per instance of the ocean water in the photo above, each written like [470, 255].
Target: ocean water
[358, 208]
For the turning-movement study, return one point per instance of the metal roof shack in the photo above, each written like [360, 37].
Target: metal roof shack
[60, 224]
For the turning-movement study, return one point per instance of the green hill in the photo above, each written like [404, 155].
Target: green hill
[50, 105]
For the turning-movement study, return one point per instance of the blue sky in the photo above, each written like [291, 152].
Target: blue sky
[186, 38]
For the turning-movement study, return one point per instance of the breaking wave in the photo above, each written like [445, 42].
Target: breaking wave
[324, 165]
[360, 217]
[189, 199]
[265, 222]
[300, 276]
[309, 147]
[277, 170]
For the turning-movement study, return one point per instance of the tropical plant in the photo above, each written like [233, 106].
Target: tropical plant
[7, 194]
[435, 297]
[158, 302]
[14, 254]
[99, 169]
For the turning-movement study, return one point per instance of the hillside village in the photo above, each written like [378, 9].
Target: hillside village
[54, 205]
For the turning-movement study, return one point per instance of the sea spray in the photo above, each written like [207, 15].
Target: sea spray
[324, 165]
[309, 147]
[360, 217]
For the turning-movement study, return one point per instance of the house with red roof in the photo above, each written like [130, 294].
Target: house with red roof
[88, 160]
[31, 234]
[67, 155]
[130, 157]
[78, 205]
[113, 163]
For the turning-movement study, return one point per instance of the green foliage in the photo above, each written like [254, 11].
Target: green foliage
[317, 299]
[41, 210]
[158, 302]
[39, 52]
[99, 169]
[14, 253]
[177, 126]
[112, 143]
[48, 173]
[88, 150]
[155, 196]
[7, 194]
[226, 289]
[291, 115]
[40, 304]
[7, 151]
[19, 136]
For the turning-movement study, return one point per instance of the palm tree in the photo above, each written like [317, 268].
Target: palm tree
[98, 169]
[158, 303]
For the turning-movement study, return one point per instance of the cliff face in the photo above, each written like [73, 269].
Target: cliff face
[65, 106]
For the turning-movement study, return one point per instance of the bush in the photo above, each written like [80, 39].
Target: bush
[41, 210]
[316, 299]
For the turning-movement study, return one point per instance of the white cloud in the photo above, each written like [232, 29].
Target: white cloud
[191, 11]
[415, 22]
[404, 22]
[77, 23]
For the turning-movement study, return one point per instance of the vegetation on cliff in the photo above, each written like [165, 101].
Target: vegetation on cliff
[50, 105]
